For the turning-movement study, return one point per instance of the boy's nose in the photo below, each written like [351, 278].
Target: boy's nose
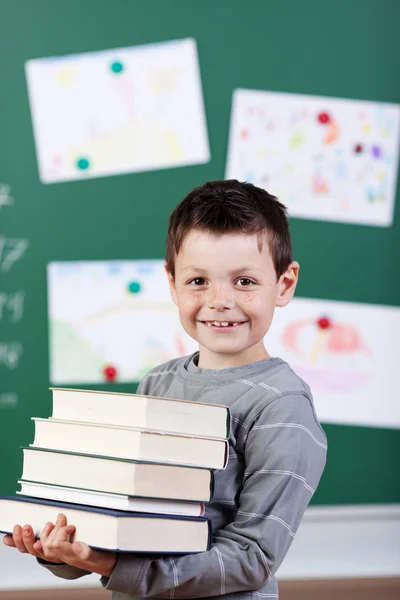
[221, 299]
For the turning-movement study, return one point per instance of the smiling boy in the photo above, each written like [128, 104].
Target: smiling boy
[229, 265]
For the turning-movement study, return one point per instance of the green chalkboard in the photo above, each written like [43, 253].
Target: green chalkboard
[333, 48]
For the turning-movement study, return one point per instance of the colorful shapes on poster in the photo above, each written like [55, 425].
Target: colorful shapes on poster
[320, 185]
[117, 67]
[110, 373]
[134, 287]
[114, 114]
[332, 134]
[83, 164]
[376, 151]
[298, 139]
[324, 323]
[324, 118]
[65, 77]
[322, 167]
[101, 332]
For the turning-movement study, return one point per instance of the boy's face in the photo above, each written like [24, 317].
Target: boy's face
[226, 291]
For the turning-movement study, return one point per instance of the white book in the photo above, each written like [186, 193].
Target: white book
[131, 443]
[109, 529]
[117, 476]
[107, 500]
[145, 412]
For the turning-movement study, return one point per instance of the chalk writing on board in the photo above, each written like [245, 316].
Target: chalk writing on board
[8, 400]
[5, 195]
[11, 250]
[10, 354]
[12, 306]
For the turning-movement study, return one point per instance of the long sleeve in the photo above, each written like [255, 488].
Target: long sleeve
[63, 571]
[284, 452]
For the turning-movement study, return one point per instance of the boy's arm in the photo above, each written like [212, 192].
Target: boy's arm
[63, 571]
[284, 452]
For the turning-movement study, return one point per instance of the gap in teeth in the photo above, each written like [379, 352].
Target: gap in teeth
[221, 323]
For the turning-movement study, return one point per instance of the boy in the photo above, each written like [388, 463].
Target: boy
[229, 264]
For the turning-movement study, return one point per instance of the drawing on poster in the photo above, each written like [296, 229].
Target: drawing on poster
[346, 353]
[117, 111]
[325, 158]
[111, 321]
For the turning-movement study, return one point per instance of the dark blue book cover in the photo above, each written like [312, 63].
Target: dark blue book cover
[66, 506]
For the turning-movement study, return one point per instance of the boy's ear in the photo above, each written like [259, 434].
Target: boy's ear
[171, 281]
[287, 284]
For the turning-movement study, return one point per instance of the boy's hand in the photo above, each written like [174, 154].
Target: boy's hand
[54, 546]
[23, 539]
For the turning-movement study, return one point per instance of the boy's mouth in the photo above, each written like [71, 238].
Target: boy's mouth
[222, 324]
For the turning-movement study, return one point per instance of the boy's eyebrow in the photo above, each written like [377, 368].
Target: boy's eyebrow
[192, 268]
[235, 271]
[247, 268]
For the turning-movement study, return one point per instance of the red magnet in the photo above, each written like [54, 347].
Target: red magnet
[324, 323]
[324, 117]
[110, 373]
[358, 148]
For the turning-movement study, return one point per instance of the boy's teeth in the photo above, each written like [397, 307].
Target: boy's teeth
[221, 323]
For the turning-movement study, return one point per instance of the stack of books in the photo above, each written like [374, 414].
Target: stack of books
[131, 472]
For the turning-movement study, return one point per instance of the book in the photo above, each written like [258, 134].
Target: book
[108, 529]
[145, 412]
[131, 443]
[107, 500]
[120, 476]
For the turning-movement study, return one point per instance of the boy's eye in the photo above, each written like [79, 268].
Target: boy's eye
[245, 282]
[198, 281]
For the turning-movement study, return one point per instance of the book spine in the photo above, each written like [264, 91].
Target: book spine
[226, 454]
[209, 541]
[228, 422]
[212, 485]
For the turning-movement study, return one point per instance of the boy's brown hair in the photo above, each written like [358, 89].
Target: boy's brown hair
[229, 206]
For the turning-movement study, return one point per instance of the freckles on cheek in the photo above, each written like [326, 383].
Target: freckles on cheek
[190, 298]
[254, 298]
[250, 297]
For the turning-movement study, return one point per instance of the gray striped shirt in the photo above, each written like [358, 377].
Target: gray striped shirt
[277, 455]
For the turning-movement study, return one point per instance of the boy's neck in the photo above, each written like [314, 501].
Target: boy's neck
[216, 362]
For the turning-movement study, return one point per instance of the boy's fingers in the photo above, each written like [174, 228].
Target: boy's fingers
[47, 529]
[61, 521]
[55, 542]
[29, 539]
[8, 541]
[66, 532]
[82, 550]
[37, 546]
[18, 539]
[52, 528]
[59, 541]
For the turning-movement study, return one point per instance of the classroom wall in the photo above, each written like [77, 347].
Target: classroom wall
[339, 50]
[335, 48]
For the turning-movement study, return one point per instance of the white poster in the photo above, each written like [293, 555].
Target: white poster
[324, 158]
[347, 353]
[111, 321]
[117, 111]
